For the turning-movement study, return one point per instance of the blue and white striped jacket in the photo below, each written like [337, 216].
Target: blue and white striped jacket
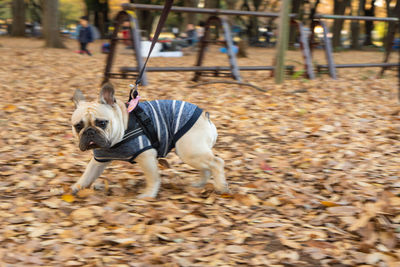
[171, 120]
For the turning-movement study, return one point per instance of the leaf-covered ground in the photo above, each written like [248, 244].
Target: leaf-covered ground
[313, 167]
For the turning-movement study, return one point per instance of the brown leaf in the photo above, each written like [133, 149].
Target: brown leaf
[389, 239]
[289, 243]
[235, 249]
[86, 192]
[82, 214]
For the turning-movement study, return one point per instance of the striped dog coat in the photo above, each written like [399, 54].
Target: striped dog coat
[171, 120]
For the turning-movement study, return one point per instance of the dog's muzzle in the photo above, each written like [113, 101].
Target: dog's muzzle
[91, 138]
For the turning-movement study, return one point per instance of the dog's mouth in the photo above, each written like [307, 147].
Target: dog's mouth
[93, 141]
[92, 145]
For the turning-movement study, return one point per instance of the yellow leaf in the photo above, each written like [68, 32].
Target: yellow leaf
[10, 108]
[68, 198]
[106, 186]
[329, 204]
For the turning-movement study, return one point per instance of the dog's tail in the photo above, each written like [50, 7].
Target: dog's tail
[207, 114]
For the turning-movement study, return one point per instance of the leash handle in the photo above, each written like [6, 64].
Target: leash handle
[161, 22]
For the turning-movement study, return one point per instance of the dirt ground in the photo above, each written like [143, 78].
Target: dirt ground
[313, 167]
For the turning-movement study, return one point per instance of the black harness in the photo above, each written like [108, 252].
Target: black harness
[139, 122]
[146, 125]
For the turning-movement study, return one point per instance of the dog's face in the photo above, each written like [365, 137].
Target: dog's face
[97, 124]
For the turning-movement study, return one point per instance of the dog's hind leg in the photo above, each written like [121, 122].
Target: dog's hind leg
[195, 149]
[204, 177]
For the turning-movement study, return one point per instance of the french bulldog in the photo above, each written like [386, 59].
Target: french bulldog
[112, 133]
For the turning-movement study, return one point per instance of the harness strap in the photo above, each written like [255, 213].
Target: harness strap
[128, 136]
[132, 132]
[146, 125]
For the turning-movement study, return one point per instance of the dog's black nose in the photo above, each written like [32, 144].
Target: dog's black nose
[90, 132]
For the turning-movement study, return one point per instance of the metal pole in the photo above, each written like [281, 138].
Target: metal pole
[229, 48]
[328, 51]
[365, 18]
[137, 40]
[212, 11]
[203, 44]
[306, 51]
[283, 40]
[113, 44]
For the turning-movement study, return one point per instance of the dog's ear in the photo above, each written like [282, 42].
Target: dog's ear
[78, 97]
[107, 94]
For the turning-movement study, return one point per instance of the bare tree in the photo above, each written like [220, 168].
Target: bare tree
[355, 25]
[146, 17]
[51, 29]
[338, 9]
[18, 13]
[212, 4]
[190, 18]
[97, 11]
[369, 25]
[391, 12]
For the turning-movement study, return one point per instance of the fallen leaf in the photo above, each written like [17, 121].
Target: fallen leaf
[235, 249]
[68, 198]
[10, 108]
[86, 192]
[329, 204]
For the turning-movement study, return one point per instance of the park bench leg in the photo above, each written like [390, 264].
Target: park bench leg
[328, 51]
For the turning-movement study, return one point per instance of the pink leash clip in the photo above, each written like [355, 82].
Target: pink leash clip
[134, 101]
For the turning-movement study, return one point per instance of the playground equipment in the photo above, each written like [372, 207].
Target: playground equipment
[216, 71]
[331, 66]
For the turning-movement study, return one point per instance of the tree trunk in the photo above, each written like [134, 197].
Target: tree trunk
[391, 12]
[145, 18]
[18, 13]
[51, 29]
[212, 4]
[296, 7]
[190, 18]
[369, 25]
[339, 9]
[231, 4]
[355, 26]
[242, 49]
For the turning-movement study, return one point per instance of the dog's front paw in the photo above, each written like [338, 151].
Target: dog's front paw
[222, 189]
[76, 188]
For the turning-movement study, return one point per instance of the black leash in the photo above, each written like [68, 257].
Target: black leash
[141, 117]
[167, 7]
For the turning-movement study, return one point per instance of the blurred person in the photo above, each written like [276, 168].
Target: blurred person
[191, 34]
[85, 35]
[126, 34]
[200, 29]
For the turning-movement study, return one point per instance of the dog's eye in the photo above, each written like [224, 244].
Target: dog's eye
[101, 123]
[78, 126]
